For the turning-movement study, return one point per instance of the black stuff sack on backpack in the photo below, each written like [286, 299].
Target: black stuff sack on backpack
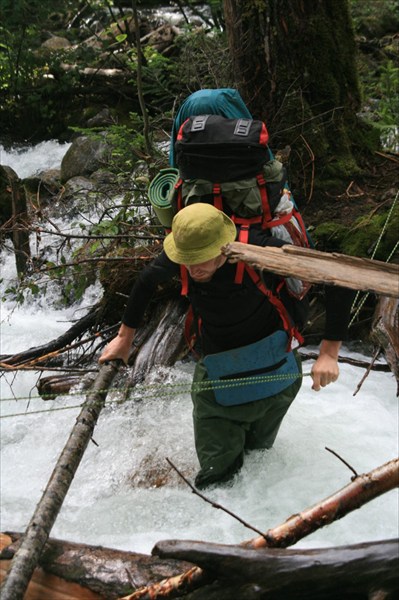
[220, 150]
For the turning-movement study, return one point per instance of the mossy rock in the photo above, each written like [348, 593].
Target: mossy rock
[371, 236]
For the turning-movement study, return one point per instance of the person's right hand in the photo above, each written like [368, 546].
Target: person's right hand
[119, 347]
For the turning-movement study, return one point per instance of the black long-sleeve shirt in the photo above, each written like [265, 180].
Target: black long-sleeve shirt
[234, 315]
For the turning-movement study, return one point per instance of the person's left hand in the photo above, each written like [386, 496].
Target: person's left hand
[325, 370]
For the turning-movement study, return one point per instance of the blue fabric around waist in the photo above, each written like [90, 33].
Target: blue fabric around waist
[252, 372]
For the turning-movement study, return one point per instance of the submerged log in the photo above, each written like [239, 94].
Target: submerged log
[320, 267]
[38, 530]
[160, 342]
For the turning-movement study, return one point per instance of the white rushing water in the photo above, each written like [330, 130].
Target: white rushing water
[124, 494]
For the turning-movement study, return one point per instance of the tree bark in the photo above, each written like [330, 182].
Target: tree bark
[11, 184]
[320, 267]
[294, 63]
[46, 512]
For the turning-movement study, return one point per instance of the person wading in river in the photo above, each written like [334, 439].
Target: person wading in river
[248, 375]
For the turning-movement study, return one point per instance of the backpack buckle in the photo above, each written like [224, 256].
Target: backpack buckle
[198, 123]
[242, 127]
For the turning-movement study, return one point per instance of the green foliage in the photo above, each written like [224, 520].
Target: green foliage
[204, 62]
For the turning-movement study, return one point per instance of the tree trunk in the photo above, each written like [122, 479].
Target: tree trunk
[294, 63]
[11, 189]
[38, 530]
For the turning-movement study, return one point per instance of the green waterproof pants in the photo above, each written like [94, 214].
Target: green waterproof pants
[222, 433]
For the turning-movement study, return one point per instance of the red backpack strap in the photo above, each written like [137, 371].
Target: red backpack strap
[243, 236]
[267, 215]
[217, 196]
[291, 330]
[184, 280]
[178, 187]
[301, 224]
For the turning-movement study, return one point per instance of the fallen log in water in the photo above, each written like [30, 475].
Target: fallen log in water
[320, 267]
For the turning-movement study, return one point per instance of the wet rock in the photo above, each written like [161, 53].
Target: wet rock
[84, 156]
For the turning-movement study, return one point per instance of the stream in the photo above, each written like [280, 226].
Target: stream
[124, 494]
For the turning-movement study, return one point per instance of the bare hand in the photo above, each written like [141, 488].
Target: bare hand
[325, 370]
[119, 347]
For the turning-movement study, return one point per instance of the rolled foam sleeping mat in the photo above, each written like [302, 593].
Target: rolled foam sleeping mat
[159, 194]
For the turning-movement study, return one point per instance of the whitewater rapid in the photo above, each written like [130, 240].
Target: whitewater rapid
[124, 494]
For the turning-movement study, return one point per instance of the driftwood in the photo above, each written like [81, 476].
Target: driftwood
[38, 530]
[361, 490]
[320, 267]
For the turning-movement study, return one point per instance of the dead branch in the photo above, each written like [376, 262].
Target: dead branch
[54, 345]
[211, 502]
[361, 490]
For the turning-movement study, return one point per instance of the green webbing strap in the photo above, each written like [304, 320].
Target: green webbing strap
[159, 194]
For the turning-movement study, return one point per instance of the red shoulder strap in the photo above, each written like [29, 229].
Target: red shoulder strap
[291, 330]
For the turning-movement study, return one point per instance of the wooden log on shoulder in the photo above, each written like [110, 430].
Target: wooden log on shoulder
[334, 572]
[320, 267]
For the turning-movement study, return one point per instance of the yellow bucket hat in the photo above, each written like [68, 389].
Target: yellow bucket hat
[198, 233]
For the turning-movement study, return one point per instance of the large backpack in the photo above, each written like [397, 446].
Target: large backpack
[227, 162]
